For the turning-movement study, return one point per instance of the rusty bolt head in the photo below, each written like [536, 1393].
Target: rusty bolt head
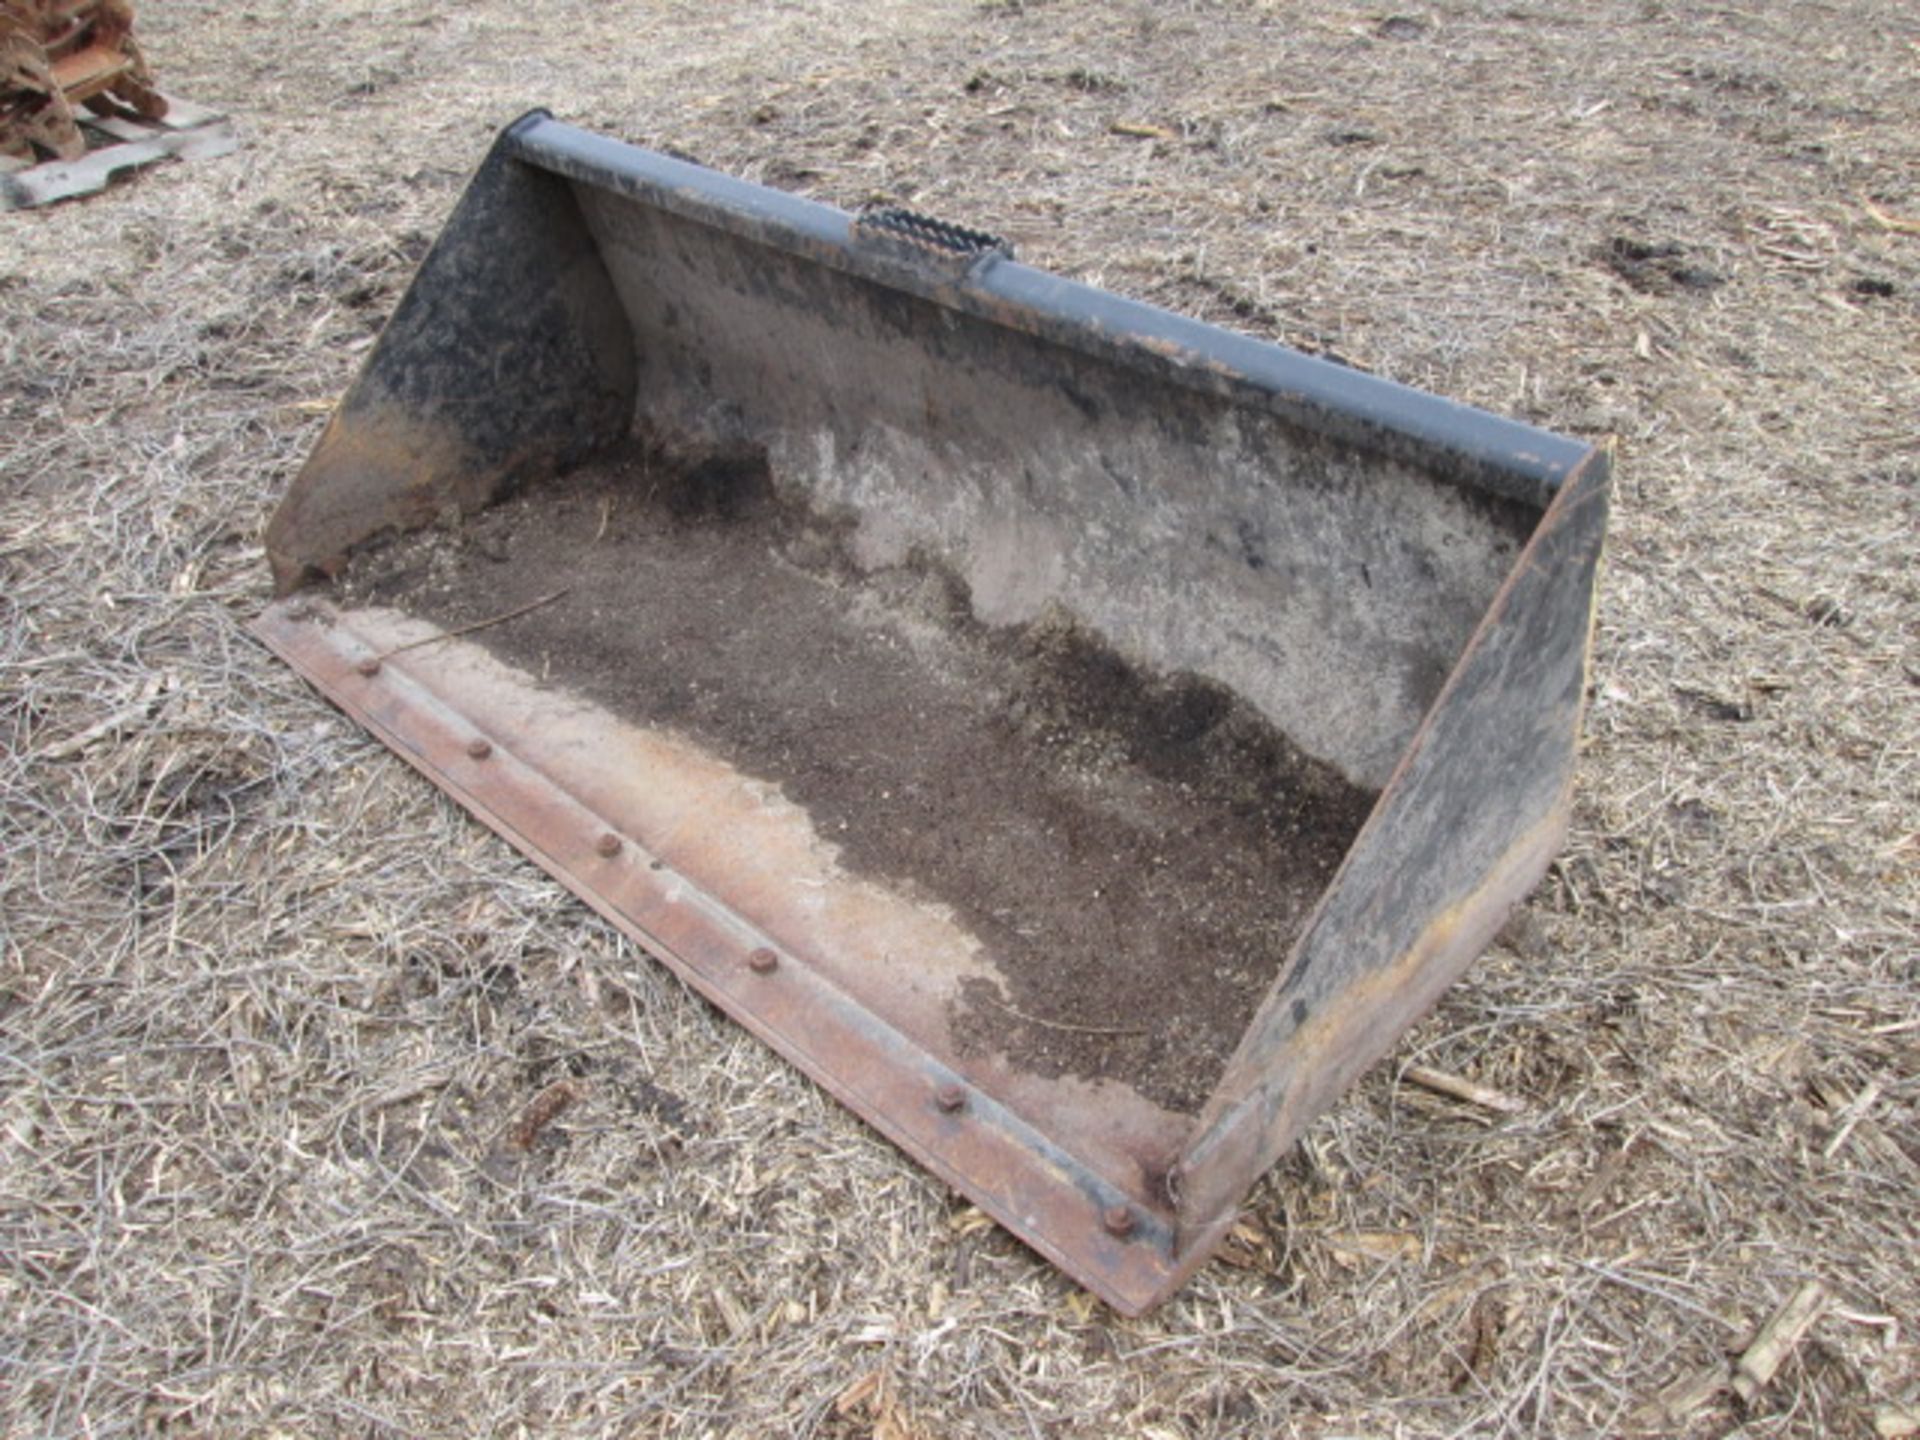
[479, 748]
[763, 961]
[1119, 1220]
[608, 845]
[370, 667]
[950, 1098]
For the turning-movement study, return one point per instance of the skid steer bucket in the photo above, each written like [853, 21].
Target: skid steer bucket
[1080, 738]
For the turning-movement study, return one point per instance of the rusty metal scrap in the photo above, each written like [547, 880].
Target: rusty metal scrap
[58, 57]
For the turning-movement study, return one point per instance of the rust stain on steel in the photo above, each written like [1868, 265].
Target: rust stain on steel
[739, 837]
[374, 469]
[1047, 1159]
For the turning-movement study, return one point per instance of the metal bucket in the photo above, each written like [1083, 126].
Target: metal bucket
[1080, 738]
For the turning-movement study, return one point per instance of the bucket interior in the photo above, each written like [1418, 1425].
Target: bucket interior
[1106, 671]
[1129, 855]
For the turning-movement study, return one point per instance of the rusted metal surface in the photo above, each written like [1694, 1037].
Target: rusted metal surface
[58, 57]
[753, 951]
[1400, 585]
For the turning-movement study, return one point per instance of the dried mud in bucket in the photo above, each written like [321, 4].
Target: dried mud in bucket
[1136, 852]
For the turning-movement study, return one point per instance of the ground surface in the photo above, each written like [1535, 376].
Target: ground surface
[273, 1012]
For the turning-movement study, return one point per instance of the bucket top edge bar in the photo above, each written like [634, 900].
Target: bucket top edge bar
[1502, 456]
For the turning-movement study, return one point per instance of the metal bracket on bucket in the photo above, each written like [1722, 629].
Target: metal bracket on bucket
[921, 239]
[1398, 587]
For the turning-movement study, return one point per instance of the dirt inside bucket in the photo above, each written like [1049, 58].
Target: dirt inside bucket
[1136, 851]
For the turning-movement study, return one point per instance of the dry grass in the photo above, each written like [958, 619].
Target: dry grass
[271, 1008]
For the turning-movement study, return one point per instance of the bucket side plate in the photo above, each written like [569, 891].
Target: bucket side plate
[1464, 830]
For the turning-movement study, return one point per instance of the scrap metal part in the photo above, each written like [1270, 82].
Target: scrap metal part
[59, 56]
